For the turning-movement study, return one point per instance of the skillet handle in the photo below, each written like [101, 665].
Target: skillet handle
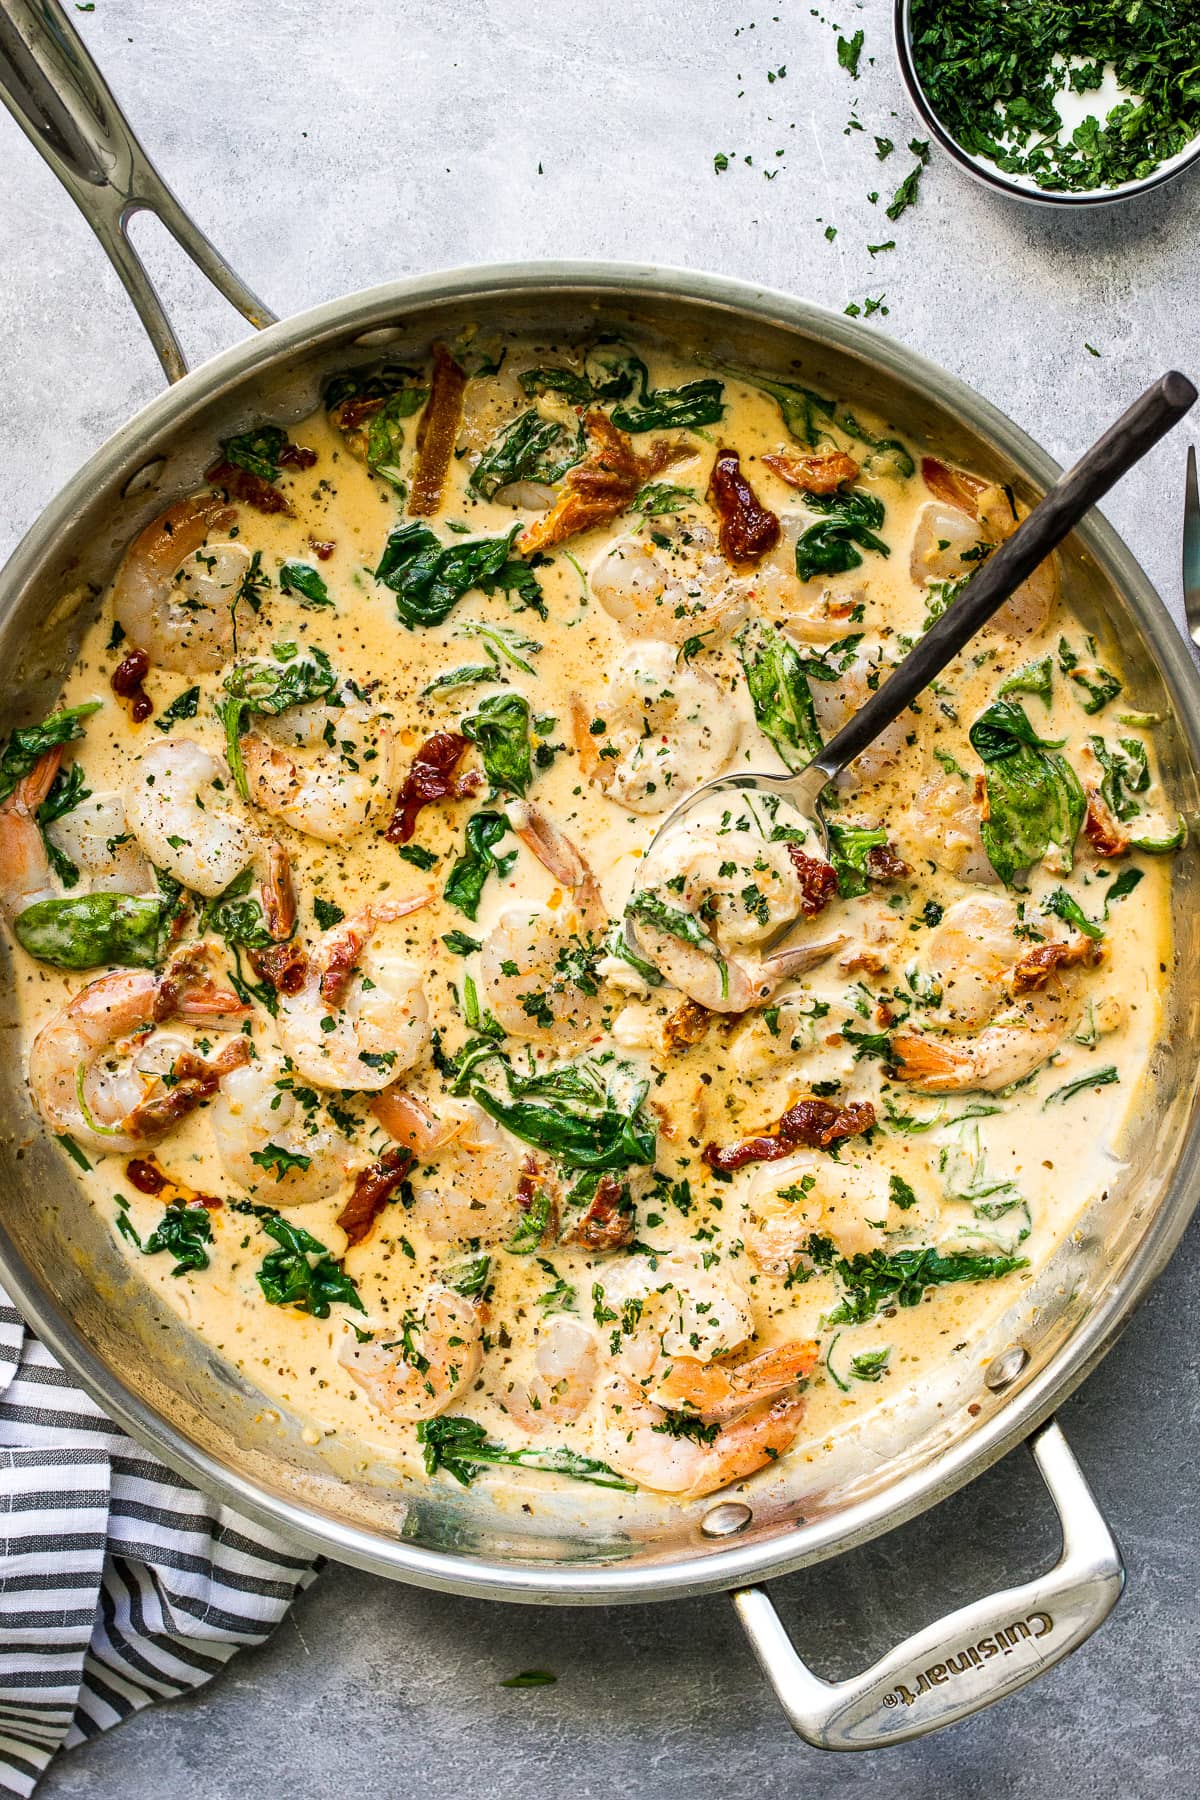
[63, 104]
[973, 1657]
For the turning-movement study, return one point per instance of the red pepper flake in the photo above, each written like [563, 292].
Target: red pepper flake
[818, 881]
[748, 528]
[126, 682]
[431, 777]
[810, 1124]
[373, 1188]
[252, 490]
[437, 434]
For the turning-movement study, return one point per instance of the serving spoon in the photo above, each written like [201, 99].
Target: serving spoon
[1053, 518]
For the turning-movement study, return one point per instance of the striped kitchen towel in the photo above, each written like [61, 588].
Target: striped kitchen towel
[119, 1583]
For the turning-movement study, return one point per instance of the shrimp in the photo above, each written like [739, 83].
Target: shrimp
[723, 1391]
[359, 1018]
[172, 593]
[101, 1073]
[789, 1201]
[180, 809]
[668, 592]
[1004, 1006]
[565, 1361]
[435, 1358]
[677, 1307]
[95, 837]
[780, 594]
[256, 1112]
[709, 893]
[641, 1444]
[668, 728]
[836, 701]
[946, 544]
[943, 827]
[346, 781]
[478, 1170]
[25, 876]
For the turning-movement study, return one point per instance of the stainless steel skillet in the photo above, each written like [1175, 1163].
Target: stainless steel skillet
[173, 1394]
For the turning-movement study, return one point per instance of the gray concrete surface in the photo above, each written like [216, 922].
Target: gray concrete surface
[325, 147]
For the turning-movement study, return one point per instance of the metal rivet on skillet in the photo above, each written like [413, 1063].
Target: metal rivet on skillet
[724, 1520]
[144, 478]
[1003, 1370]
[384, 334]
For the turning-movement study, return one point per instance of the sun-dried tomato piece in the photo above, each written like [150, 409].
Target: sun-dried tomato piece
[687, 1025]
[437, 434]
[144, 1174]
[283, 966]
[883, 864]
[373, 1188]
[607, 1223]
[253, 490]
[748, 528]
[431, 777]
[810, 1124]
[322, 548]
[955, 486]
[193, 1080]
[1101, 829]
[1036, 967]
[604, 484]
[822, 473]
[818, 881]
[297, 456]
[126, 682]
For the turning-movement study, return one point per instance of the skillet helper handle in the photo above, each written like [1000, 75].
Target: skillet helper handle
[63, 104]
[1053, 518]
[973, 1657]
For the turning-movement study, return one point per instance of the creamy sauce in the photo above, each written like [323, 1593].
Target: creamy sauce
[999, 1169]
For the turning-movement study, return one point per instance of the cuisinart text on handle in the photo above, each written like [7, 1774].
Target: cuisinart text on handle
[1001, 1643]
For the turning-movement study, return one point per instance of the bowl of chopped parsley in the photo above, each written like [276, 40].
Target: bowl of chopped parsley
[1062, 102]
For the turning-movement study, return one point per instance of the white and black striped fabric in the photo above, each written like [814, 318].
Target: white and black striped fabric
[119, 1584]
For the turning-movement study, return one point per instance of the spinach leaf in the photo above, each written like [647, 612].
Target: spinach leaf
[849, 848]
[610, 372]
[530, 449]
[1098, 1078]
[1035, 678]
[183, 1232]
[67, 791]
[256, 451]
[1126, 774]
[301, 1273]
[1069, 910]
[662, 409]
[183, 706]
[428, 577]
[779, 691]
[503, 638]
[464, 885]
[874, 1279]
[500, 729]
[385, 433]
[459, 944]
[29, 743]
[1035, 802]
[270, 688]
[92, 931]
[301, 578]
[234, 916]
[466, 675]
[586, 1113]
[828, 548]
[848, 52]
[1099, 685]
[381, 384]
[885, 450]
[327, 913]
[462, 1448]
[1123, 886]
[677, 924]
[661, 497]
[802, 407]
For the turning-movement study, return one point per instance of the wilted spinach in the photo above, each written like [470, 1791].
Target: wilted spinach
[270, 688]
[779, 691]
[464, 885]
[849, 848]
[29, 743]
[532, 448]
[587, 1113]
[428, 577]
[462, 1448]
[301, 578]
[500, 729]
[828, 548]
[1035, 802]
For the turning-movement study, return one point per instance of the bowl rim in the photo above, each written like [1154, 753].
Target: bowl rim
[980, 170]
[711, 1569]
